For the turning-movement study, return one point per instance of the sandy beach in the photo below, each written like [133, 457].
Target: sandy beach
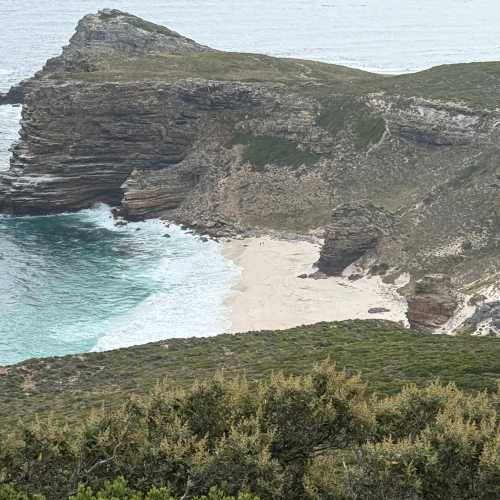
[270, 295]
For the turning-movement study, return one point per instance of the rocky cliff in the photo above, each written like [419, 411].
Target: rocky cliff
[136, 115]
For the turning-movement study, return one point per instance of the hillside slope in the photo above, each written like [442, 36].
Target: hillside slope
[387, 356]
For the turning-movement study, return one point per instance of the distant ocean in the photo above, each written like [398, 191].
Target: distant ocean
[75, 282]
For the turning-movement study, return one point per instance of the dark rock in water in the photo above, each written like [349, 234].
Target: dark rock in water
[354, 231]
[432, 303]
[204, 239]
[14, 96]
[166, 235]
[378, 310]
[120, 223]
[302, 276]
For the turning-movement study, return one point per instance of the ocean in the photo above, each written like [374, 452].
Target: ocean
[75, 282]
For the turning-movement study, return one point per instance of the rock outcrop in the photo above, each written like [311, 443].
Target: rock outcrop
[432, 302]
[484, 321]
[354, 232]
[15, 95]
[136, 115]
[109, 34]
[112, 33]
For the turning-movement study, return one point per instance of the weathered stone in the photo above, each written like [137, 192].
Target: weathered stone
[355, 277]
[484, 320]
[476, 299]
[432, 303]
[354, 231]
[14, 96]
[378, 310]
[318, 275]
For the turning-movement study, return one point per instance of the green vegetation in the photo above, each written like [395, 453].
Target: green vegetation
[345, 112]
[266, 150]
[388, 356]
[224, 66]
[319, 435]
[119, 490]
[472, 83]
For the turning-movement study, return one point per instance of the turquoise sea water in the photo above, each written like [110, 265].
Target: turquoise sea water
[75, 282]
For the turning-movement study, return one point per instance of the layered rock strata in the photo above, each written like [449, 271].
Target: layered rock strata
[138, 116]
[354, 232]
[432, 302]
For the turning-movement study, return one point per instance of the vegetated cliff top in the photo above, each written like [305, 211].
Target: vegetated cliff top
[387, 355]
[114, 46]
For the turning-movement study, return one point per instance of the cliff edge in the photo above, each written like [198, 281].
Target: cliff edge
[402, 171]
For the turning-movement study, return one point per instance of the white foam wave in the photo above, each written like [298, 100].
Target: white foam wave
[191, 280]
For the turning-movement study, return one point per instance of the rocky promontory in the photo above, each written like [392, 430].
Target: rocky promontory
[402, 171]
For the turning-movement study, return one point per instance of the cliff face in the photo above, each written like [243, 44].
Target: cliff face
[136, 115]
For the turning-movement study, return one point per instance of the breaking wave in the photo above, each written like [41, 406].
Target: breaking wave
[77, 282]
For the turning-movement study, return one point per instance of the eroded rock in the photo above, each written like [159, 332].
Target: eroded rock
[432, 302]
[354, 231]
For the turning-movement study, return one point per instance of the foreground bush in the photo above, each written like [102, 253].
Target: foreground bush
[119, 490]
[313, 436]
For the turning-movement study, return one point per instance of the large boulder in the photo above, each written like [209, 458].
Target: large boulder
[355, 230]
[432, 302]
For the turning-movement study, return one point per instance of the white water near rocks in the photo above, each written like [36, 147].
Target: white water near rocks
[75, 282]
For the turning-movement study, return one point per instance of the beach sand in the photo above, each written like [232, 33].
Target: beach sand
[269, 294]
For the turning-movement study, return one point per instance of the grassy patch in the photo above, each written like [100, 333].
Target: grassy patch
[473, 83]
[388, 357]
[347, 112]
[224, 66]
[369, 129]
[266, 150]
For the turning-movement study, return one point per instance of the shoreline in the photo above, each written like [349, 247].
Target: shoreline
[269, 295]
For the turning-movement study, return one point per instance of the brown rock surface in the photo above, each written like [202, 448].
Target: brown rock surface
[354, 231]
[433, 302]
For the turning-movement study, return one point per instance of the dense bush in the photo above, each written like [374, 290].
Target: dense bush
[119, 490]
[314, 436]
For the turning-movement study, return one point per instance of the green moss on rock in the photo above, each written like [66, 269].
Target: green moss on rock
[348, 113]
[267, 150]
